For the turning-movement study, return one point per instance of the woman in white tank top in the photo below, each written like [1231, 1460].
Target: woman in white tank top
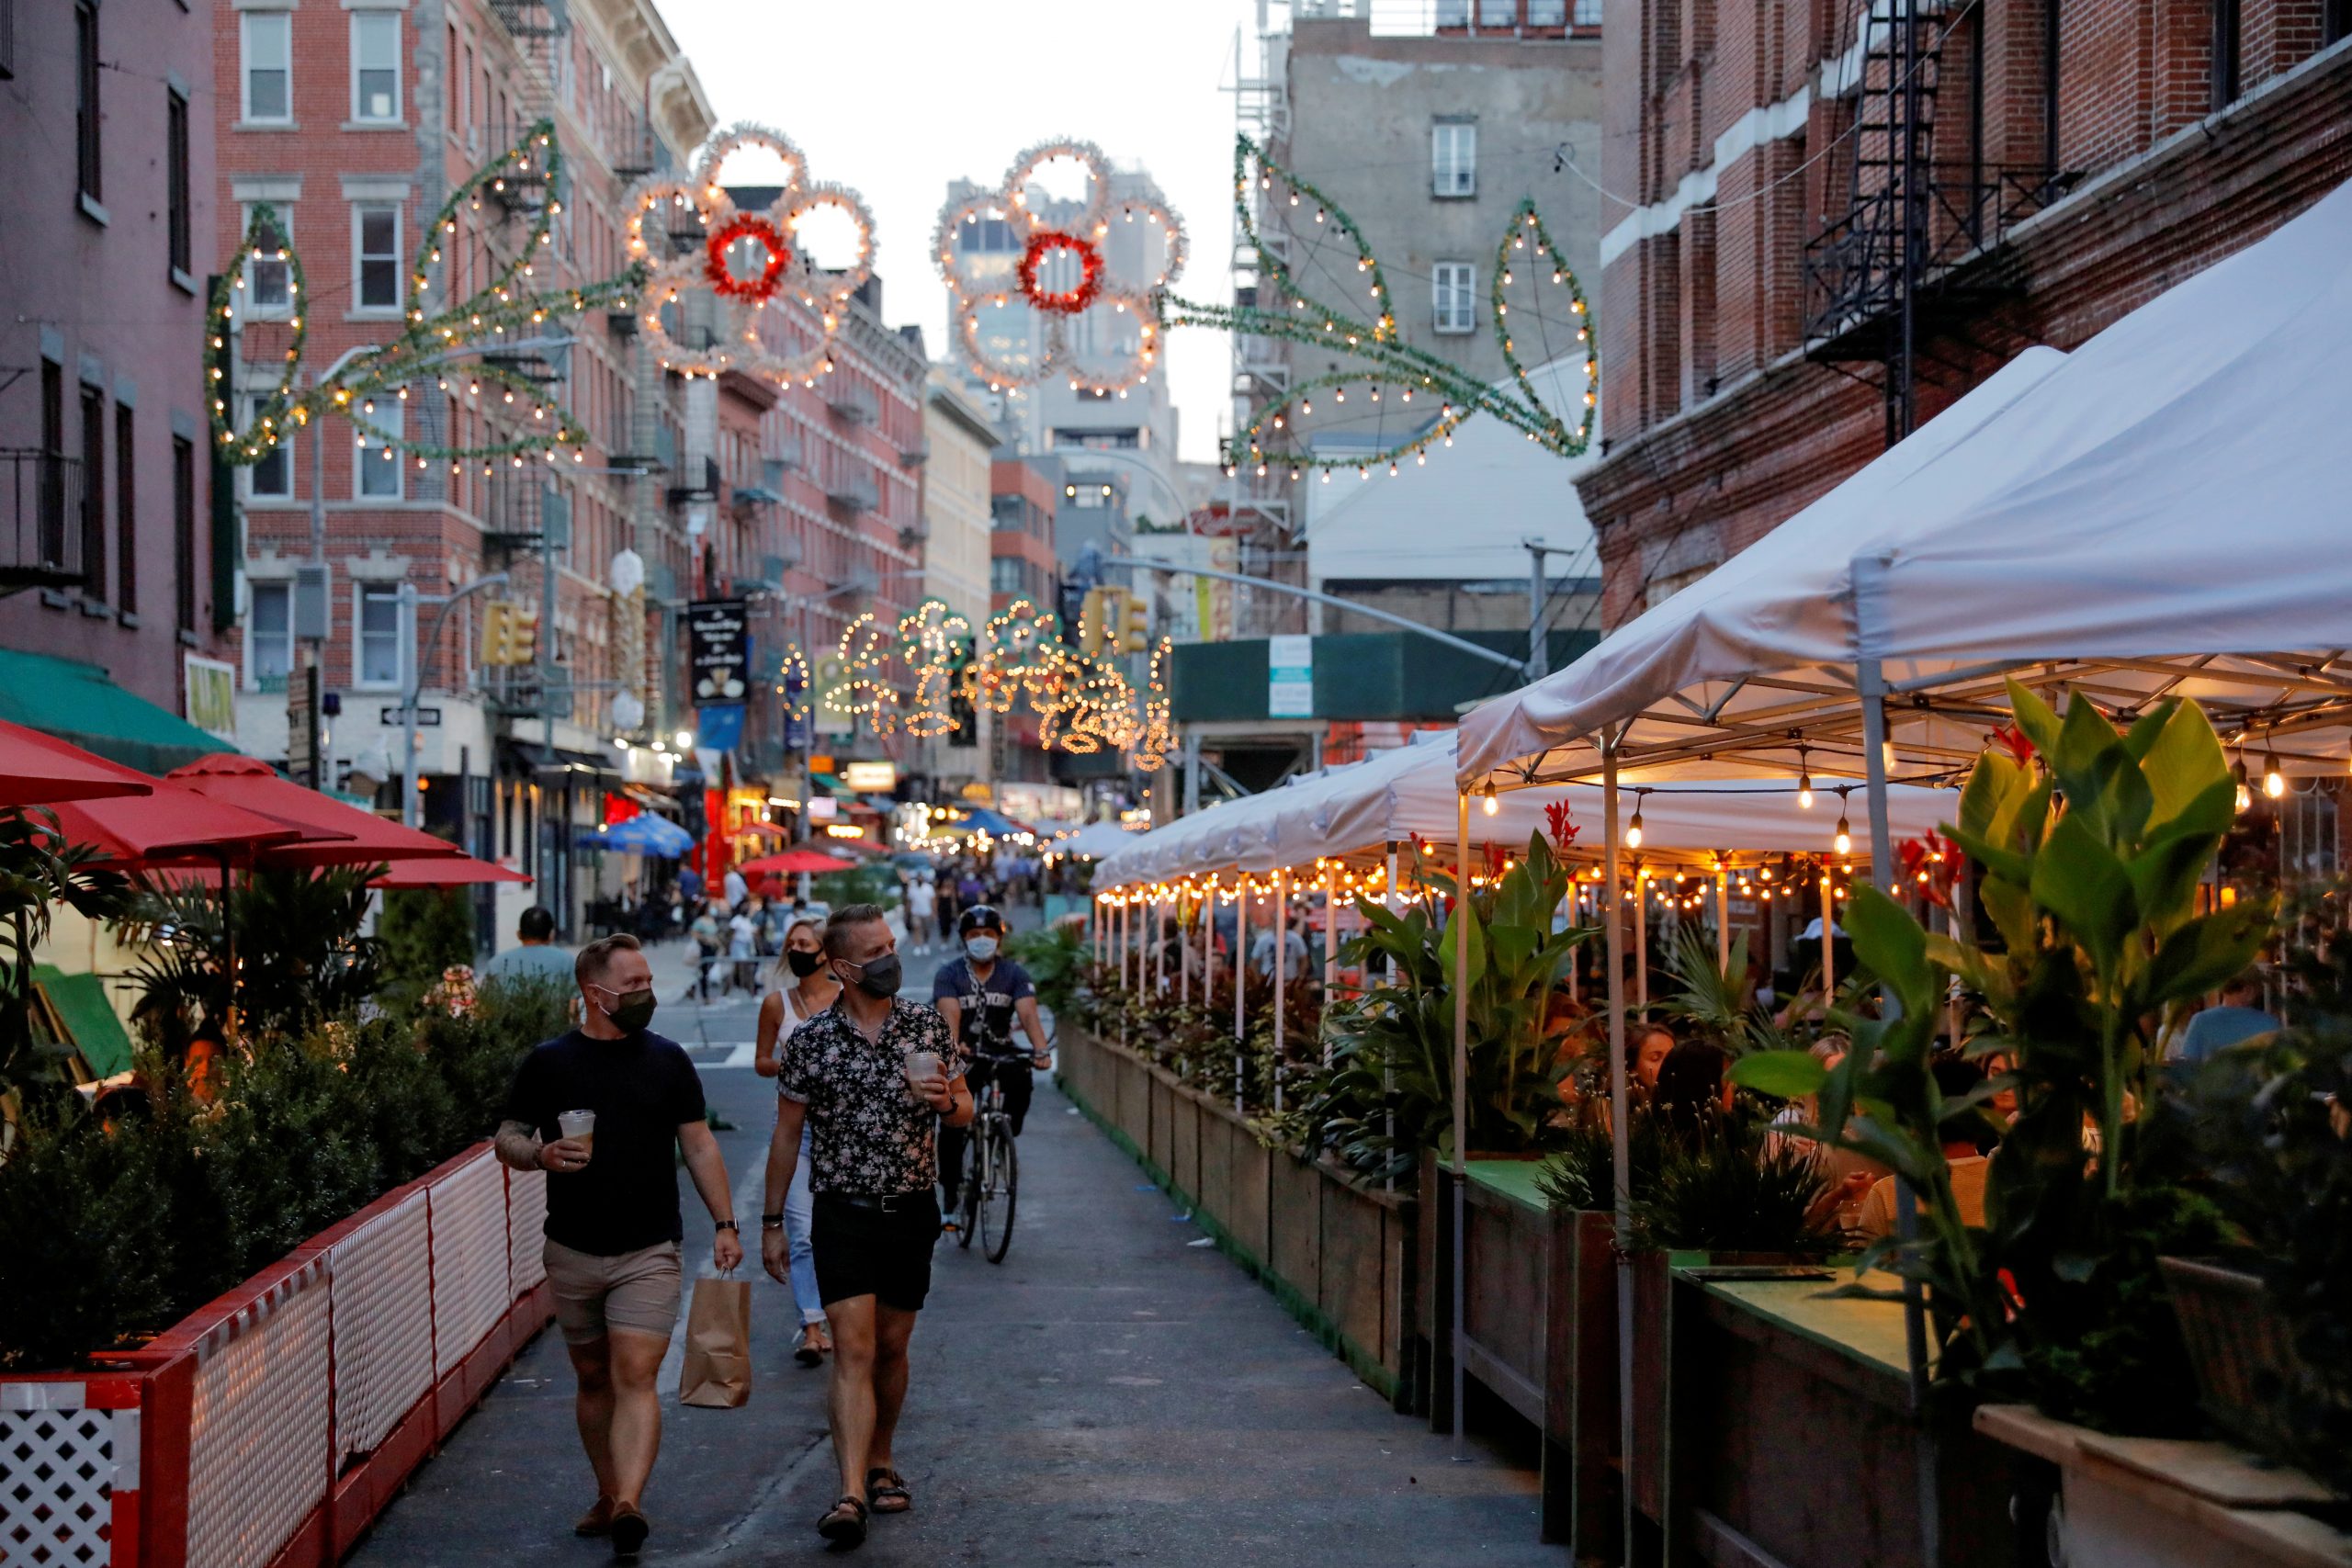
[799, 988]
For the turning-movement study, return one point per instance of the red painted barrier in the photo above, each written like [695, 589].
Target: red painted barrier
[270, 1426]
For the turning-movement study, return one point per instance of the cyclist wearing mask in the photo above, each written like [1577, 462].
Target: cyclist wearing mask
[981, 994]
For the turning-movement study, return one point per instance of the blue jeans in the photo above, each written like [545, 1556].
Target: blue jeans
[797, 1206]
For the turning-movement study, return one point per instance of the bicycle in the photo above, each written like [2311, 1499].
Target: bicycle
[991, 1168]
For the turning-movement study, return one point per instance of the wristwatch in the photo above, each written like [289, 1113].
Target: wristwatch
[729, 1226]
[771, 1222]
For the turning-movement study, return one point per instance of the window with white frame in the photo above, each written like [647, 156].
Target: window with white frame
[1450, 299]
[376, 67]
[1587, 13]
[269, 278]
[266, 39]
[269, 635]
[376, 255]
[272, 478]
[378, 643]
[1454, 158]
[378, 465]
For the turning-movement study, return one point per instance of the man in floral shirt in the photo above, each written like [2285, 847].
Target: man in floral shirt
[872, 1118]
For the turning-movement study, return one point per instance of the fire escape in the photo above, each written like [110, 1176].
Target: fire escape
[1916, 259]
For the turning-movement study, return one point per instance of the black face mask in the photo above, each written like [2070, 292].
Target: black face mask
[802, 964]
[881, 976]
[631, 1010]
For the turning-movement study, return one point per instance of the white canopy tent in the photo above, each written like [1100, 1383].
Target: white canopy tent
[1093, 841]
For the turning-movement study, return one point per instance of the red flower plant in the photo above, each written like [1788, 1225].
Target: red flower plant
[1561, 822]
[1932, 863]
[2015, 740]
[1496, 860]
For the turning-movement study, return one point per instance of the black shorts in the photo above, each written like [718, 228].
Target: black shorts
[885, 1254]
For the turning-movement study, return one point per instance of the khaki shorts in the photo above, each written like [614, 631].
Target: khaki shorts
[636, 1291]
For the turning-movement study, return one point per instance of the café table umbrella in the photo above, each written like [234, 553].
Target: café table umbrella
[642, 834]
[444, 871]
[353, 837]
[39, 769]
[792, 862]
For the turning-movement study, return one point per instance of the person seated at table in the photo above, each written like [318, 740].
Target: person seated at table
[1967, 1143]
[1690, 1091]
[2237, 1018]
[1646, 1052]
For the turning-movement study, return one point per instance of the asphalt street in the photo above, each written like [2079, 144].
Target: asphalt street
[1111, 1394]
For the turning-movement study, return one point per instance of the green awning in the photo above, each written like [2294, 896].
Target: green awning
[833, 786]
[81, 1002]
[79, 703]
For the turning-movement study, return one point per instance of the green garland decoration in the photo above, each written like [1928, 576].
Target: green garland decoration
[1372, 340]
[430, 343]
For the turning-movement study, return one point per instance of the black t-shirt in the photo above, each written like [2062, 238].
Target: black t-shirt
[987, 1022]
[642, 1088]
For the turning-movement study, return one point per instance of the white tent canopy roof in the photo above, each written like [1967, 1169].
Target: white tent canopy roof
[1362, 807]
[1094, 840]
[2162, 513]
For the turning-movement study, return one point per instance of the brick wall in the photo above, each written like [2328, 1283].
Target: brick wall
[1717, 426]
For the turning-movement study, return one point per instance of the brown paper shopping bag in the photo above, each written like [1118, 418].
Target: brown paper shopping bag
[717, 1371]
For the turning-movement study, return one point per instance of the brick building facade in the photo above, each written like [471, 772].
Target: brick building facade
[2072, 159]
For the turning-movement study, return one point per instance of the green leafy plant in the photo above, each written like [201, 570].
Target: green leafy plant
[1734, 1190]
[299, 956]
[426, 930]
[40, 873]
[1056, 957]
[2091, 859]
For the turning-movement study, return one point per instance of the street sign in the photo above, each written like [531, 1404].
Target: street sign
[427, 719]
[717, 652]
[1290, 677]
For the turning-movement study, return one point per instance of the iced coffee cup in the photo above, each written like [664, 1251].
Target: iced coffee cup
[922, 1066]
[580, 1126]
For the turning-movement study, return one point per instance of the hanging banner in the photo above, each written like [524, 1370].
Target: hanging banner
[1290, 677]
[719, 727]
[718, 651]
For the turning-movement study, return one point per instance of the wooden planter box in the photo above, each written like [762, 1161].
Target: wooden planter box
[2157, 1503]
[1340, 1255]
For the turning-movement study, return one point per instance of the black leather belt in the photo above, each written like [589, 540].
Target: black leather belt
[880, 1203]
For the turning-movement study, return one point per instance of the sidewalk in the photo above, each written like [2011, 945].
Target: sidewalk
[1111, 1393]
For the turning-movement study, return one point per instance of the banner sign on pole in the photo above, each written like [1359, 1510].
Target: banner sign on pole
[1290, 677]
[719, 727]
[717, 651]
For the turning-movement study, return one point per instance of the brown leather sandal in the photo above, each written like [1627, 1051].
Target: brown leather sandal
[844, 1522]
[890, 1495]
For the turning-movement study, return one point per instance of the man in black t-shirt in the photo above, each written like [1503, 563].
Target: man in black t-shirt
[981, 995]
[614, 1232]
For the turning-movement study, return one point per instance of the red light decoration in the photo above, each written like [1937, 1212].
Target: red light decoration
[722, 277]
[1090, 284]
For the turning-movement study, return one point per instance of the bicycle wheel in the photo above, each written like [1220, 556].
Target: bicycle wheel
[996, 1203]
[969, 1201]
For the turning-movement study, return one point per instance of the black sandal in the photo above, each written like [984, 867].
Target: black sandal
[844, 1522]
[806, 1353]
[891, 1496]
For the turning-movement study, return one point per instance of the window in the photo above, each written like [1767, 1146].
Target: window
[1450, 297]
[1547, 12]
[2227, 40]
[2334, 25]
[53, 521]
[1497, 12]
[269, 636]
[272, 478]
[86, 97]
[376, 249]
[1589, 13]
[269, 281]
[375, 66]
[268, 39]
[126, 515]
[176, 180]
[1004, 574]
[375, 657]
[379, 466]
[1454, 158]
[94, 493]
[183, 532]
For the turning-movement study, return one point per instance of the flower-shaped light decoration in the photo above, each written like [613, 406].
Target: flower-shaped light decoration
[1069, 284]
[931, 639]
[780, 306]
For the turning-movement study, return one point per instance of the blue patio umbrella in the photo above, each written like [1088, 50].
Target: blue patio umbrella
[645, 833]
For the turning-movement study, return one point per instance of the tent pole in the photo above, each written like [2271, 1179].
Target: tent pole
[1828, 942]
[1462, 916]
[1241, 983]
[1281, 975]
[1330, 945]
[1183, 955]
[1642, 940]
[1723, 917]
[1388, 1074]
[1869, 684]
[1620, 1162]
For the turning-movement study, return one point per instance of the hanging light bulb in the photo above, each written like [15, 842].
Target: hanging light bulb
[1489, 803]
[1843, 842]
[1634, 829]
[2245, 796]
[1805, 784]
[2274, 783]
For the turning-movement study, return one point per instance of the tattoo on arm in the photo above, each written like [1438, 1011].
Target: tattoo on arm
[518, 1145]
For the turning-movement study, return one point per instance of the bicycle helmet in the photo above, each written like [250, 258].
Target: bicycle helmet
[979, 917]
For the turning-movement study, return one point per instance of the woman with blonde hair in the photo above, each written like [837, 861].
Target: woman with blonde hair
[799, 988]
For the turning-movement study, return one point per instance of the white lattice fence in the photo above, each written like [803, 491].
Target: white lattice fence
[62, 1464]
[469, 1245]
[383, 1325]
[526, 1214]
[257, 1458]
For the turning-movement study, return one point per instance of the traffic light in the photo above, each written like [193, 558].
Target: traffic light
[510, 633]
[1126, 627]
[1092, 624]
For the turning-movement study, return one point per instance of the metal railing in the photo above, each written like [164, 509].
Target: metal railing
[1852, 269]
[42, 520]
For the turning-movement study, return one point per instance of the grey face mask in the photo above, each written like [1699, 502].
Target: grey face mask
[981, 948]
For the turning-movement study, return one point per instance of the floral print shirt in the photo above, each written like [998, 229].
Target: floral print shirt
[869, 1137]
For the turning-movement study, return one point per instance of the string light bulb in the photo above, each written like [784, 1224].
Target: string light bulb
[2274, 783]
[1634, 829]
[1804, 782]
[2245, 796]
[1844, 843]
[1488, 803]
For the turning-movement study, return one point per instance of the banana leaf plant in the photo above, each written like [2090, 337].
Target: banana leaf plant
[40, 872]
[1392, 1048]
[2092, 842]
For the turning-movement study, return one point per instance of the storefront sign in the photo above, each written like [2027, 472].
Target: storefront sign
[1290, 677]
[211, 696]
[717, 652]
[823, 808]
[871, 778]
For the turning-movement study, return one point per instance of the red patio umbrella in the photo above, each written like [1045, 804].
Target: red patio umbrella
[39, 769]
[358, 837]
[173, 826]
[444, 871]
[791, 862]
